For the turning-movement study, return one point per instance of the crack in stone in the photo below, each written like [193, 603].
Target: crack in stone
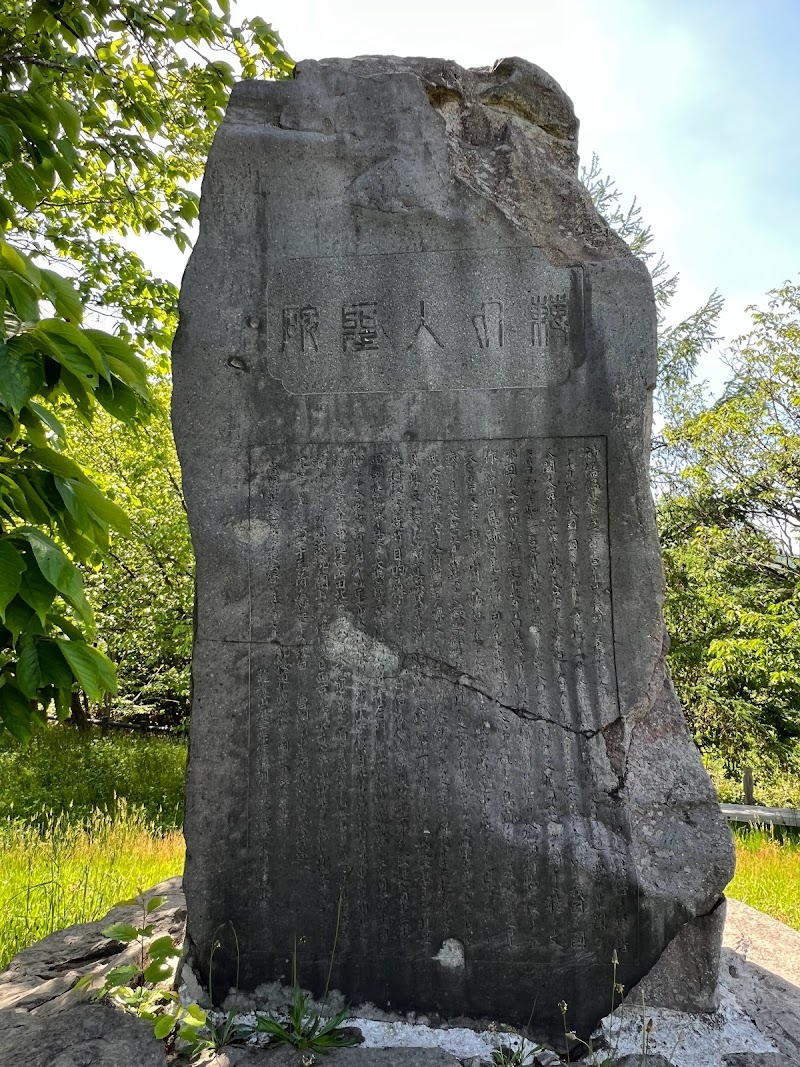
[446, 672]
[632, 720]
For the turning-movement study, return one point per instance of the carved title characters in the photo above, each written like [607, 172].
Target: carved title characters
[549, 314]
[300, 325]
[361, 324]
[360, 327]
[489, 324]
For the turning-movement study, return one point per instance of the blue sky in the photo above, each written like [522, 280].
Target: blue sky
[691, 105]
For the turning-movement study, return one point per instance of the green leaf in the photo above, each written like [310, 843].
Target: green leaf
[69, 356]
[83, 537]
[74, 507]
[118, 400]
[79, 392]
[15, 712]
[40, 663]
[57, 463]
[9, 426]
[22, 185]
[29, 675]
[268, 1025]
[123, 974]
[35, 430]
[158, 971]
[164, 1025]
[194, 1015]
[18, 617]
[162, 948]
[127, 375]
[125, 932]
[9, 140]
[62, 295]
[36, 507]
[63, 704]
[64, 169]
[21, 376]
[22, 295]
[58, 570]
[152, 904]
[11, 567]
[70, 119]
[14, 260]
[64, 333]
[7, 213]
[48, 418]
[94, 671]
[102, 507]
[67, 627]
[115, 346]
[35, 588]
[12, 491]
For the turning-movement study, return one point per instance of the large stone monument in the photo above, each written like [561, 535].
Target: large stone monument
[413, 385]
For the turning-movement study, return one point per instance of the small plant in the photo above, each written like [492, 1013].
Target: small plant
[519, 1056]
[611, 1058]
[211, 1034]
[305, 1031]
[570, 1037]
[506, 1055]
[140, 987]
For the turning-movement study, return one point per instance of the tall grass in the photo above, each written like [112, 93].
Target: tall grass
[63, 770]
[86, 820]
[73, 872]
[768, 872]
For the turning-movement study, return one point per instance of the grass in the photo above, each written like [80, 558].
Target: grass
[63, 770]
[74, 872]
[768, 872]
[86, 820]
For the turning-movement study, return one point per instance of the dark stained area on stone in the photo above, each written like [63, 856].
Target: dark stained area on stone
[430, 692]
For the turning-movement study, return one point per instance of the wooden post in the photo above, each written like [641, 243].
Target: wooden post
[747, 783]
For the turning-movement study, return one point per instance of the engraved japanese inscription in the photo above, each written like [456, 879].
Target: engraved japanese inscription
[490, 555]
[496, 319]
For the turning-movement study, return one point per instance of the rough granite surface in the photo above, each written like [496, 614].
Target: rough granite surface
[88, 1035]
[432, 720]
[760, 966]
[685, 976]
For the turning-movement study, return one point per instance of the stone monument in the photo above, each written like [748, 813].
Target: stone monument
[432, 721]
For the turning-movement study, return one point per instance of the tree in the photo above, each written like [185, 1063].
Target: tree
[681, 344]
[142, 596]
[726, 475]
[730, 527]
[106, 114]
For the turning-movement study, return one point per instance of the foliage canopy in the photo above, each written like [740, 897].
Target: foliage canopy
[726, 474]
[106, 114]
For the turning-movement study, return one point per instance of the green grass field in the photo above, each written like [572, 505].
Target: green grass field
[768, 873]
[64, 770]
[88, 820]
[85, 821]
[71, 872]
